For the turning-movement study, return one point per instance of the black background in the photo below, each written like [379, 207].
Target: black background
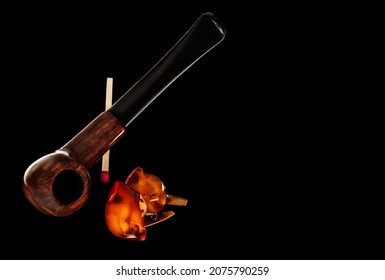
[265, 135]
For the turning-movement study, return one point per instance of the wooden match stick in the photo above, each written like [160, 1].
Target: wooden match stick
[105, 176]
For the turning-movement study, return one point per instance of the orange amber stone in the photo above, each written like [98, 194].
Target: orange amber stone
[124, 213]
[150, 187]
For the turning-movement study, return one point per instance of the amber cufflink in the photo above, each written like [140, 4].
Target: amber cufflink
[138, 203]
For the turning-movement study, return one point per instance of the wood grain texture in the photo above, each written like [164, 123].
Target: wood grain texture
[78, 155]
[90, 144]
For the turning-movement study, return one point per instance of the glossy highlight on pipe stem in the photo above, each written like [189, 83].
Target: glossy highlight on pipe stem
[92, 142]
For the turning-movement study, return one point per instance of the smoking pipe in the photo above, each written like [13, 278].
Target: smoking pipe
[70, 164]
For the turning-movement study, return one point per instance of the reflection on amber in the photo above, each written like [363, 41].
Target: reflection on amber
[150, 187]
[125, 212]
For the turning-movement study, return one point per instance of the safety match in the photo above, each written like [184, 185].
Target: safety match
[105, 176]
